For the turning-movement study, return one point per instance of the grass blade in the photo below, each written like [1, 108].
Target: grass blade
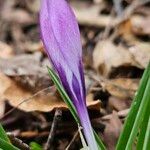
[142, 133]
[147, 137]
[140, 115]
[123, 139]
[143, 128]
[3, 134]
[35, 146]
[70, 105]
[64, 95]
[99, 142]
[7, 146]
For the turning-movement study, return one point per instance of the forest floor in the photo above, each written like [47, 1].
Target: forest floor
[115, 37]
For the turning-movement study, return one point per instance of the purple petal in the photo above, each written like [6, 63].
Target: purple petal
[87, 128]
[60, 34]
[61, 38]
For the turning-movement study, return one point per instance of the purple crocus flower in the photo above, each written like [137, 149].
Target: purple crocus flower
[61, 39]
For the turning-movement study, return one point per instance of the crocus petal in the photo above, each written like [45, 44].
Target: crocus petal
[61, 38]
[87, 128]
[60, 34]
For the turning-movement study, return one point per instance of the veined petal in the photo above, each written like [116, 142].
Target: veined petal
[60, 34]
[87, 128]
[61, 39]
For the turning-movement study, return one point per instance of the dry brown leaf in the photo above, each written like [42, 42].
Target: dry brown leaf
[18, 67]
[141, 53]
[92, 104]
[5, 50]
[44, 101]
[88, 14]
[118, 104]
[107, 57]
[2, 108]
[140, 25]
[18, 16]
[125, 29]
[122, 88]
[34, 47]
[112, 131]
[4, 84]
[122, 114]
[34, 5]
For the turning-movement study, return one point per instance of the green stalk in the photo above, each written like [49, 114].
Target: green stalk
[7, 146]
[129, 122]
[70, 105]
[140, 115]
[3, 134]
[64, 95]
[147, 137]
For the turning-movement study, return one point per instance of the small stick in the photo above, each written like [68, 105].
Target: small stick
[118, 7]
[17, 142]
[56, 119]
[72, 140]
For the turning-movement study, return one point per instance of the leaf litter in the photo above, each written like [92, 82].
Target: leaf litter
[115, 40]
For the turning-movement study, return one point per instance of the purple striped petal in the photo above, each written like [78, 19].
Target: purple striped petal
[61, 39]
[60, 34]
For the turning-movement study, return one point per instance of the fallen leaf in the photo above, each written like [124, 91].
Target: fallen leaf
[5, 50]
[107, 58]
[112, 131]
[19, 16]
[140, 25]
[33, 5]
[118, 104]
[141, 53]
[2, 108]
[122, 114]
[18, 67]
[88, 14]
[125, 30]
[122, 88]
[34, 47]
[45, 101]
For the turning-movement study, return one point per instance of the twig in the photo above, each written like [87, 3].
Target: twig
[17, 142]
[118, 7]
[130, 9]
[89, 17]
[108, 27]
[57, 118]
[72, 140]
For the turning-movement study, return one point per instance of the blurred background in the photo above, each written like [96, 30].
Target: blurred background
[115, 36]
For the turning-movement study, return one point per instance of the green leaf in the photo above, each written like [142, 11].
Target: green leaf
[141, 114]
[7, 146]
[64, 95]
[35, 146]
[147, 137]
[143, 128]
[136, 114]
[70, 105]
[142, 133]
[3, 134]
[99, 142]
